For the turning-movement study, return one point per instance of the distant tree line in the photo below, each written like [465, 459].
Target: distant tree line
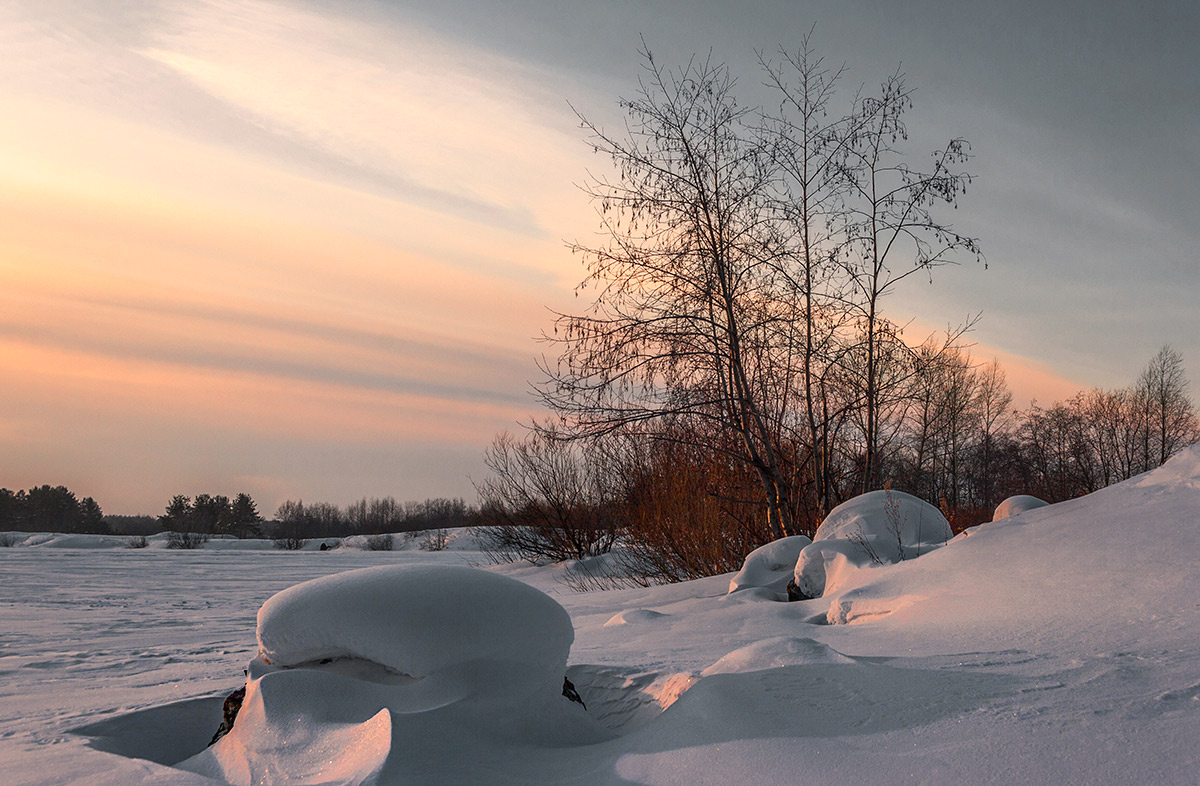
[49, 509]
[296, 519]
[56, 509]
[213, 515]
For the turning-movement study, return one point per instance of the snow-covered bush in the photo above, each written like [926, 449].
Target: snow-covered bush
[878, 527]
[358, 670]
[1017, 504]
[434, 540]
[770, 566]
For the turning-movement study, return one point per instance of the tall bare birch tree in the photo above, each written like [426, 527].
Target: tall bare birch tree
[686, 285]
[893, 231]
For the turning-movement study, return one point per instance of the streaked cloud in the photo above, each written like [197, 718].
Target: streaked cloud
[304, 246]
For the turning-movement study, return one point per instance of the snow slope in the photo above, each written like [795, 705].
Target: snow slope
[1061, 645]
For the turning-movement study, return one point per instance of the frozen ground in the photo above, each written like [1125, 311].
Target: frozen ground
[1058, 645]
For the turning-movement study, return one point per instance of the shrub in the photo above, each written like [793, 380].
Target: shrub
[137, 542]
[380, 542]
[288, 543]
[8, 539]
[435, 540]
[186, 540]
[548, 500]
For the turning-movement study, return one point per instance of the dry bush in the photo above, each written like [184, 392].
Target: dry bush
[380, 542]
[686, 516]
[186, 540]
[548, 500]
[434, 540]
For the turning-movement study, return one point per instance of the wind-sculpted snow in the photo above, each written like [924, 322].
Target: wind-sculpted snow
[1182, 470]
[875, 528]
[355, 668]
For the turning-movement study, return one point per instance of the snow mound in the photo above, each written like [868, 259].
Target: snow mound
[415, 620]
[770, 565]
[361, 675]
[633, 616]
[1017, 504]
[774, 653]
[875, 528]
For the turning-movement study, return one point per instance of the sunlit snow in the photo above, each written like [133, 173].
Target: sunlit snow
[1054, 646]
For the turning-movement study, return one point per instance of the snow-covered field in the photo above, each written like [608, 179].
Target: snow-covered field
[1059, 645]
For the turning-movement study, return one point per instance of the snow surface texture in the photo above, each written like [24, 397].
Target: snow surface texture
[354, 668]
[1018, 504]
[876, 528]
[1058, 646]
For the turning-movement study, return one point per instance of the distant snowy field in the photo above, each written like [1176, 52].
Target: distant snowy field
[1058, 646]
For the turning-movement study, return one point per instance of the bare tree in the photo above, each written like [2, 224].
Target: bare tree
[1171, 423]
[892, 232]
[547, 499]
[685, 308]
[994, 402]
[808, 145]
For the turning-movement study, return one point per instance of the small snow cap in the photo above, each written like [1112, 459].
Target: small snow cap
[1017, 504]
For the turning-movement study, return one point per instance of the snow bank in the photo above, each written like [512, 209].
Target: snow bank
[1017, 504]
[771, 565]
[875, 528]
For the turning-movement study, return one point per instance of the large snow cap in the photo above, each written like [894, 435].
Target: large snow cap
[872, 528]
[881, 514]
[1017, 504]
[416, 620]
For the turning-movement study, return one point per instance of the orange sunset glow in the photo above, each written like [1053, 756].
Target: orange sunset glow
[267, 245]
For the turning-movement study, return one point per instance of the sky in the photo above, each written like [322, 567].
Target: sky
[303, 248]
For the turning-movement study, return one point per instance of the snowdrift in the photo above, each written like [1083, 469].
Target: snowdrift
[1057, 645]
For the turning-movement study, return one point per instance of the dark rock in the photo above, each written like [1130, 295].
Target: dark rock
[572, 694]
[233, 703]
[794, 592]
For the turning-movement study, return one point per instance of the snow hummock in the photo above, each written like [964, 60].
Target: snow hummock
[774, 653]
[416, 621]
[876, 528]
[770, 565]
[1017, 504]
[353, 667]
